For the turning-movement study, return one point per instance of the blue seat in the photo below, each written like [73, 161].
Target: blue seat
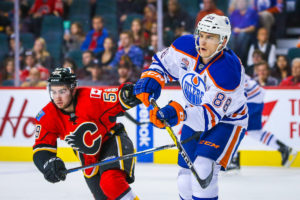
[76, 55]
[293, 53]
[27, 40]
[4, 46]
[130, 17]
[51, 24]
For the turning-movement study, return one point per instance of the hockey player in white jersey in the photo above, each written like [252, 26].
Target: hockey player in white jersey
[212, 82]
[255, 98]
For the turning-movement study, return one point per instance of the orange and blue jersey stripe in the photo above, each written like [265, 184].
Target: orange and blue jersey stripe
[231, 146]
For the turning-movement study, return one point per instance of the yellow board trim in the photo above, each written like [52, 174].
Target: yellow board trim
[25, 154]
[169, 156]
[248, 158]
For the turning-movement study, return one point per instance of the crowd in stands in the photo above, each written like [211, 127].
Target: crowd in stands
[112, 42]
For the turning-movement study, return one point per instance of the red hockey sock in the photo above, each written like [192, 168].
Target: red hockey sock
[113, 183]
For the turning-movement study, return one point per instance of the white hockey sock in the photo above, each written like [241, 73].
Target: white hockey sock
[184, 183]
[130, 196]
[264, 137]
[203, 167]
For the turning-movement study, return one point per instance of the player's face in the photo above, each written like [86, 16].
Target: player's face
[296, 69]
[208, 44]
[61, 96]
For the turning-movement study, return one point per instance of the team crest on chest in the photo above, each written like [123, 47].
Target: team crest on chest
[193, 88]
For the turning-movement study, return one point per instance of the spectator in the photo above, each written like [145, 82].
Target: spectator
[125, 7]
[42, 55]
[149, 17]
[294, 79]
[12, 49]
[140, 37]
[209, 6]
[263, 45]
[8, 72]
[95, 38]
[267, 9]
[5, 21]
[177, 20]
[257, 57]
[150, 51]
[263, 75]
[34, 79]
[96, 75]
[125, 71]
[87, 58]
[41, 8]
[108, 54]
[154, 29]
[243, 23]
[134, 52]
[69, 62]
[298, 44]
[74, 38]
[31, 62]
[46, 7]
[282, 68]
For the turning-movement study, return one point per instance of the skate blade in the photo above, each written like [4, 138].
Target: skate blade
[292, 158]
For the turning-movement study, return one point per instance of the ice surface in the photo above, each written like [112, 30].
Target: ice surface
[23, 181]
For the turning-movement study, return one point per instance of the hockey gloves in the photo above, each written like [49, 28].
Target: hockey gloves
[53, 170]
[127, 98]
[149, 85]
[173, 113]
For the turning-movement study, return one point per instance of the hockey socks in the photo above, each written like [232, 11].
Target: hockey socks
[114, 185]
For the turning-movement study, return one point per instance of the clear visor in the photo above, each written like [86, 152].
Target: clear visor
[57, 91]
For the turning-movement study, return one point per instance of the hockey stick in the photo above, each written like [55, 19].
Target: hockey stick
[111, 160]
[128, 116]
[203, 182]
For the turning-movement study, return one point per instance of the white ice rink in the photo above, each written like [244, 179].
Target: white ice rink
[23, 181]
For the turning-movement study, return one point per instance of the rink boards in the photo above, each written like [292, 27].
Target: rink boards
[19, 106]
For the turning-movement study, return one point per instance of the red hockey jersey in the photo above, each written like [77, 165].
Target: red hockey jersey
[95, 114]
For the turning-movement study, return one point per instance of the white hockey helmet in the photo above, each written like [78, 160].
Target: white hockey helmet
[214, 24]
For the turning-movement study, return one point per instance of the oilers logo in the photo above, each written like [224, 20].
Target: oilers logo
[193, 88]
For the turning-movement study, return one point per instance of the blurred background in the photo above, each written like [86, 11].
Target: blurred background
[111, 42]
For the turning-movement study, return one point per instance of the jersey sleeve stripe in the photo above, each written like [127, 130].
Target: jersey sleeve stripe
[206, 120]
[239, 113]
[253, 96]
[183, 52]
[252, 88]
[236, 119]
[253, 92]
[162, 66]
[213, 121]
[214, 111]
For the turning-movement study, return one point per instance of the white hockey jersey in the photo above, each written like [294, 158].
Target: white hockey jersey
[255, 93]
[213, 92]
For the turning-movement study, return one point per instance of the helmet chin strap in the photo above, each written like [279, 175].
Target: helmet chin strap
[217, 51]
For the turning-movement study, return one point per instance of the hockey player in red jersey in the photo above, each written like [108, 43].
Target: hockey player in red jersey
[86, 119]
